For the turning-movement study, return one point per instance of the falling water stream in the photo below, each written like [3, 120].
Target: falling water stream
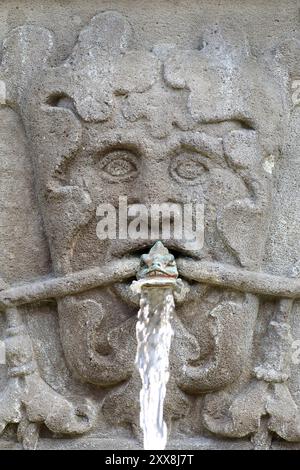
[154, 335]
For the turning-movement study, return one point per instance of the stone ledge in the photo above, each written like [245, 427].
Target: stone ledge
[127, 444]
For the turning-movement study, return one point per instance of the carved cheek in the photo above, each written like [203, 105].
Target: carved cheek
[225, 186]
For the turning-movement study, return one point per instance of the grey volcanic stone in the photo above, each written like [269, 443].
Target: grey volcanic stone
[161, 102]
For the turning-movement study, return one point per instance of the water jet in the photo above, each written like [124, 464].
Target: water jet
[157, 281]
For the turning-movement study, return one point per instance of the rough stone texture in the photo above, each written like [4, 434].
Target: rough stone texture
[161, 88]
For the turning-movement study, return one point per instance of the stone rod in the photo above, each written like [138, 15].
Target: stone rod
[212, 273]
[253, 282]
[57, 287]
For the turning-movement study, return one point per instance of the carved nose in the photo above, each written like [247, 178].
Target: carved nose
[156, 187]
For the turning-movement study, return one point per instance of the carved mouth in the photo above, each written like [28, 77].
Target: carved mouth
[160, 273]
[191, 289]
[137, 248]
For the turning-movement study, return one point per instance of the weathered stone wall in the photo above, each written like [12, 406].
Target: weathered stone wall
[151, 85]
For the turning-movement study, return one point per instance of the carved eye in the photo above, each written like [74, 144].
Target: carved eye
[189, 167]
[171, 263]
[119, 165]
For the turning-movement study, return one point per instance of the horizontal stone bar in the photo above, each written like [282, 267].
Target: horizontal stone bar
[223, 275]
[74, 283]
[212, 273]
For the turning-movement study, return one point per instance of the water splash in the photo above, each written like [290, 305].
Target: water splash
[154, 335]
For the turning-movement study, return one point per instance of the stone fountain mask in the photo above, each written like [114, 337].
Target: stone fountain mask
[167, 125]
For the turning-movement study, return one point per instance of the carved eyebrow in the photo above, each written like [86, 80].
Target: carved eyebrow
[207, 145]
[104, 142]
[230, 123]
[109, 146]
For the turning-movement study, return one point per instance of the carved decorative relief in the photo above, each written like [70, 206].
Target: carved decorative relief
[167, 125]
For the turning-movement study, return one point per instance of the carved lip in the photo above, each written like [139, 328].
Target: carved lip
[175, 247]
[156, 272]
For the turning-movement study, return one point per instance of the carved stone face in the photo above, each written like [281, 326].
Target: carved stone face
[164, 126]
